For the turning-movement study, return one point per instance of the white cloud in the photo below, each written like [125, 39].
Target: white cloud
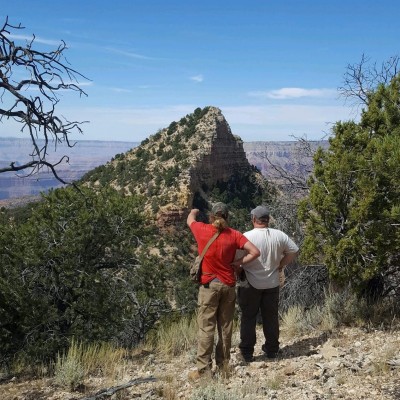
[37, 39]
[294, 93]
[197, 78]
[121, 90]
[128, 54]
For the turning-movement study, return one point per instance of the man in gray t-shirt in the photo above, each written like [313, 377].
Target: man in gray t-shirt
[259, 291]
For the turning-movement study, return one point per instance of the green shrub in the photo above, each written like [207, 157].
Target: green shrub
[66, 272]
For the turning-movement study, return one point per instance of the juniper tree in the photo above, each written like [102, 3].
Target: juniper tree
[352, 213]
[73, 269]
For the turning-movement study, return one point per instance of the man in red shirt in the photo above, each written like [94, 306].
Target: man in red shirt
[217, 296]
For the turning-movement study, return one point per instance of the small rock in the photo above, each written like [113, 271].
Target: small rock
[328, 351]
[317, 356]
[289, 370]
[331, 382]
[316, 375]
[258, 364]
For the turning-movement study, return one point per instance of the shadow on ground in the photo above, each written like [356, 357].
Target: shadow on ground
[303, 347]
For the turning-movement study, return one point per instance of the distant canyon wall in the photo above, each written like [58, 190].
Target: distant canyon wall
[292, 156]
[87, 155]
[84, 156]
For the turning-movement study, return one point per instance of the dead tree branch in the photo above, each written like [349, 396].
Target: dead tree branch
[31, 100]
[362, 78]
[104, 393]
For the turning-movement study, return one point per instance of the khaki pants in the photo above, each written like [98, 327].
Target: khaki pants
[216, 306]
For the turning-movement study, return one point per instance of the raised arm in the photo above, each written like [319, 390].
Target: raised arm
[192, 216]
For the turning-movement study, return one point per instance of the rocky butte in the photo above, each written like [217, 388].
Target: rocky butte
[178, 165]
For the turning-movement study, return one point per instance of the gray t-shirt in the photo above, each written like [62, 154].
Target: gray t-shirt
[262, 273]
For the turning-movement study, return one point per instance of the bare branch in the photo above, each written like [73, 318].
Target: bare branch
[106, 393]
[45, 74]
[361, 79]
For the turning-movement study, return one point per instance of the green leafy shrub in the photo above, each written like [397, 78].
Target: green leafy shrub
[72, 270]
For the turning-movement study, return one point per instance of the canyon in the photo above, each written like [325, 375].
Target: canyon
[269, 157]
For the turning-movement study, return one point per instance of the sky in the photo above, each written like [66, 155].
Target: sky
[272, 67]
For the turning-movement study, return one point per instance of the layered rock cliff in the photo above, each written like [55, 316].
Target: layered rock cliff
[221, 153]
[277, 159]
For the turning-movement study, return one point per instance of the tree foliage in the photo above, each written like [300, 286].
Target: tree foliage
[73, 269]
[352, 214]
[29, 82]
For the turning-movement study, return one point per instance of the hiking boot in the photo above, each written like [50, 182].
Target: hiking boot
[269, 354]
[244, 359]
[195, 375]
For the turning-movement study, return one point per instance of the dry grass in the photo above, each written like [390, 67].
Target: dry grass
[169, 390]
[174, 338]
[216, 391]
[275, 381]
[384, 356]
[82, 360]
[293, 322]
[69, 372]
[338, 309]
[247, 389]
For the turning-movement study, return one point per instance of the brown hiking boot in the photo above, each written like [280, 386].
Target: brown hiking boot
[195, 375]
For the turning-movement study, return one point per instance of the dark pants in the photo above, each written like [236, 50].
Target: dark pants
[251, 301]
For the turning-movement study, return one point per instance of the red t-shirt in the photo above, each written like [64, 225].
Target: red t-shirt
[217, 260]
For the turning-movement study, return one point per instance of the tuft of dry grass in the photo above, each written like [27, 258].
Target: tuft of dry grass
[102, 358]
[69, 372]
[381, 364]
[338, 309]
[82, 360]
[275, 381]
[169, 390]
[293, 322]
[174, 338]
[216, 391]
[297, 321]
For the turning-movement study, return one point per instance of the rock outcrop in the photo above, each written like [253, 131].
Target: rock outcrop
[178, 163]
[222, 153]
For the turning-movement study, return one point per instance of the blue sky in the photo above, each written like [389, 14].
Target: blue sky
[272, 67]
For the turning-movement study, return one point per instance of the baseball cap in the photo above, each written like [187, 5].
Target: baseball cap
[260, 212]
[220, 208]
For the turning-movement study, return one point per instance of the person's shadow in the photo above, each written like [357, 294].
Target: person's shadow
[304, 347]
